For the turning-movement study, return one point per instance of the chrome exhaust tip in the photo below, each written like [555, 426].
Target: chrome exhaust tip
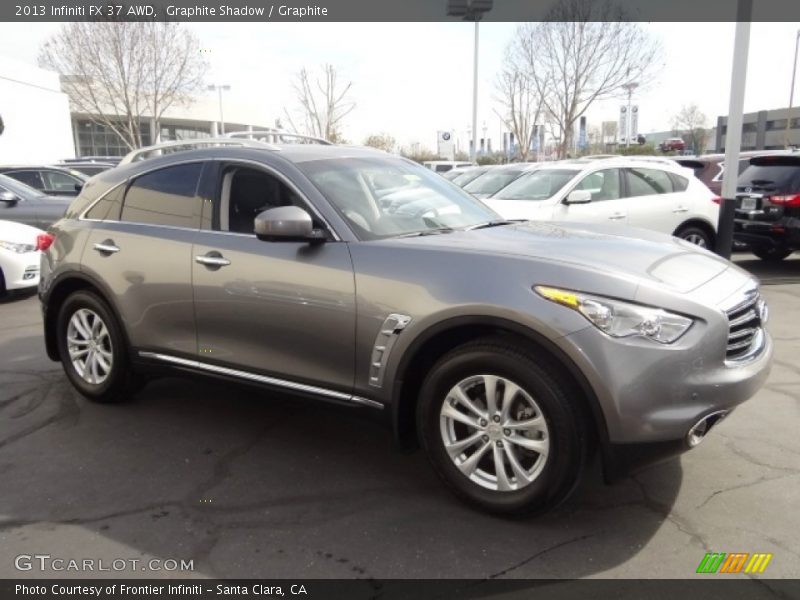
[699, 430]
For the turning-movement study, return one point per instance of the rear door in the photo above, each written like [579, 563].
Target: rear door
[607, 204]
[653, 202]
[140, 247]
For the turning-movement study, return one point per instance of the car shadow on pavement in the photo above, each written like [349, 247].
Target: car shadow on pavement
[784, 271]
[16, 295]
[250, 484]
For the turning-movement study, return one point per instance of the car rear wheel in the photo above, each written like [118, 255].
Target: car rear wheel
[93, 351]
[502, 428]
[695, 235]
[772, 253]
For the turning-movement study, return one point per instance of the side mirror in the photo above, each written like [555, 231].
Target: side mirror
[578, 197]
[287, 223]
[78, 187]
[8, 197]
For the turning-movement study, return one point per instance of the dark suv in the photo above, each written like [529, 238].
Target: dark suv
[768, 206]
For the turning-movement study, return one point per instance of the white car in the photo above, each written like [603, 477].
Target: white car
[663, 197]
[19, 256]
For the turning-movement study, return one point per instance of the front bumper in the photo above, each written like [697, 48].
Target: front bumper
[652, 393]
[20, 271]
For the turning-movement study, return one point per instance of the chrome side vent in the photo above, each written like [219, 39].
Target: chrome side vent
[384, 342]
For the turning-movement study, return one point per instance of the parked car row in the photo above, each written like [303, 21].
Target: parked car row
[651, 192]
[675, 195]
[509, 351]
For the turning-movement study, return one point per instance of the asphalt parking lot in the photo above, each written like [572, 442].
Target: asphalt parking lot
[252, 485]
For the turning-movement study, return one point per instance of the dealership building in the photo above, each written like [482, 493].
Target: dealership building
[764, 130]
[40, 127]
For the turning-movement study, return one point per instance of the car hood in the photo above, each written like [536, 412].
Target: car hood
[634, 252]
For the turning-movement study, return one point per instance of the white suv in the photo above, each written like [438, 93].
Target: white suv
[662, 197]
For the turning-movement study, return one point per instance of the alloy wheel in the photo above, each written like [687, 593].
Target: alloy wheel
[494, 432]
[89, 346]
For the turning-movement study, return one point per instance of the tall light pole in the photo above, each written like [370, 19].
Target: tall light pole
[791, 93]
[471, 10]
[220, 89]
[629, 87]
[733, 133]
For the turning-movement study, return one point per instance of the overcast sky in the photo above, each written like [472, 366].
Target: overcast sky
[412, 79]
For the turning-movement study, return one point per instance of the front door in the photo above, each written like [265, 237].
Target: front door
[280, 309]
[606, 206]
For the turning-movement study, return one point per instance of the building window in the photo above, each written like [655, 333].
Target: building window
[183, 132]
[97, 139]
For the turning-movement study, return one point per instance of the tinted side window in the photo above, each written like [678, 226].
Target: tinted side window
[248, 192]
[604, 185]
[165, 197]
[647, 182]
[108, 208]
[679, 184]
[61, 182]
[31, 178]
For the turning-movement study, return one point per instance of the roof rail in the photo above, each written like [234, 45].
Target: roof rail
[177, 146]
[277, 136]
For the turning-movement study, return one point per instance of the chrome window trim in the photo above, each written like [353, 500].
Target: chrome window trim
[275, 173]
[249, 376]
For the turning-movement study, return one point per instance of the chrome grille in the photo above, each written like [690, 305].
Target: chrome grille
[744, 325]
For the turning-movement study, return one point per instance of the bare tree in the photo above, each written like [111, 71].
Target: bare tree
[583, 52]
[689, 121]
[521, 103]
[125, 74]
[324, 103]
[381, 141]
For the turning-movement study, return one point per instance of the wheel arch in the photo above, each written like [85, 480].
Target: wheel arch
[439, 339]
[59, 291]
[700, 224]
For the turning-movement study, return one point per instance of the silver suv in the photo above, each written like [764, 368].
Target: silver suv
[509, 351]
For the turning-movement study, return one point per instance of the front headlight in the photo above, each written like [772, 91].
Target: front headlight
[621, 319]
[18, 248]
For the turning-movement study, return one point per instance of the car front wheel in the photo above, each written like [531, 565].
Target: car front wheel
[92, 349]
[502, 427]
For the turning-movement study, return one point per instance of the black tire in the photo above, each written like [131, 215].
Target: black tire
[2, 284]
[771, 253]
[121, 382]
[558, 400]
[694, 235]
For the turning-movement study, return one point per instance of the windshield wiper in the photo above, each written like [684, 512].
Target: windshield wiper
[435, 231]
[493, 224]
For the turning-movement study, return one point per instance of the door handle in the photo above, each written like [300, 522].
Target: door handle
[106, 247]
[212, 259]
[680, 209]
[617, 216]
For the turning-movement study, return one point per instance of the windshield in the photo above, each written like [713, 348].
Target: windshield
[386, 197]
[19, 188]
[537, 185]
[464, 178]
[492, 181]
